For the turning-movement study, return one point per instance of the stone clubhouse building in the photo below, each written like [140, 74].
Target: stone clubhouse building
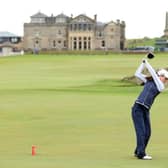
[72, 33]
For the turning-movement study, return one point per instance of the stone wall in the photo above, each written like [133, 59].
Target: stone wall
[61, 36]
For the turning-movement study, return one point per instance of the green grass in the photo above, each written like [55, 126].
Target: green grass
[77, 111]
[132, 43]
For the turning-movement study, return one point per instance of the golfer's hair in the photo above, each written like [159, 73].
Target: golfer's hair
[150, 78]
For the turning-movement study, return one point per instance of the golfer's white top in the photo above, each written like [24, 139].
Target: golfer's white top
[159, 84]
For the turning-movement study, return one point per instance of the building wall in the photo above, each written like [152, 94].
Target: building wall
[68, 33]
[83, 40]
[16, 45]
[44, 36]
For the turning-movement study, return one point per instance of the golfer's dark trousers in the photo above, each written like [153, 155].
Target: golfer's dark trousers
[141, 120]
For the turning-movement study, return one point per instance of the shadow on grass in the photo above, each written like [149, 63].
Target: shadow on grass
[105, 86]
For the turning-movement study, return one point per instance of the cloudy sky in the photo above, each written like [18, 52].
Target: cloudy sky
[143, 18]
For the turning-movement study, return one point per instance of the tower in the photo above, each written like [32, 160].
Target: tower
[166, 26]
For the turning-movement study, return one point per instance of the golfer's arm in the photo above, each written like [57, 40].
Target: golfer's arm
[139, 73]
[155, 77]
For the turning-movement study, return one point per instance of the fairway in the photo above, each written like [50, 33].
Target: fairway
[77, 111]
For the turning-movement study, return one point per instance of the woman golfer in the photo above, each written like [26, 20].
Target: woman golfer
[140, 110]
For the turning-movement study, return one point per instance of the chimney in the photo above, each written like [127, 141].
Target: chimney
[118, 21]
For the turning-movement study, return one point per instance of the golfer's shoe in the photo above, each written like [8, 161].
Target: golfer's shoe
[147, 157]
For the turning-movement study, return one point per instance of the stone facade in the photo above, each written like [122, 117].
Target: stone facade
[72, 33]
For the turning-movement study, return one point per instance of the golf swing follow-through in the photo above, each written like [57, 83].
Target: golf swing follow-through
[153, 85]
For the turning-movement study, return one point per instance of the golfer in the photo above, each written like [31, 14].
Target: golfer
[153, 85]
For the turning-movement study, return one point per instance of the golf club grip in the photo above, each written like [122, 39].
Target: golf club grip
[150, 55]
